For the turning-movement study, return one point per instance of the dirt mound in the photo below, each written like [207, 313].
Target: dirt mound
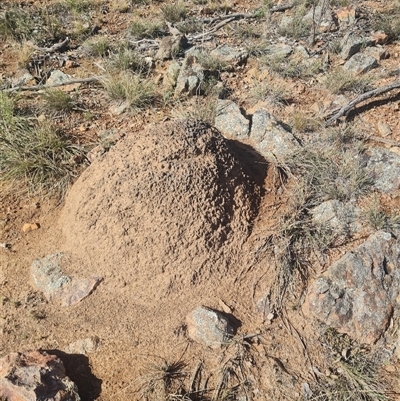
[172, 200]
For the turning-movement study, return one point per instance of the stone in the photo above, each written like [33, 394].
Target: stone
[170, 46]
[356, 295]
[190, 77]
[58, 77]
[378, 52]
[321, 16]
[384, 167]
[230, 121]
[47, 274]
[84, 346]
[379, 38]
[170, 77]
[35, 376]
[269, 137]
[49, 278]
[279, 50]
[351, 45]
[23, 80]
[27, 227]
[346, 15]
[209, 327]
[79, 289]
[119, 108]
[360, 63]
[229, 55]
[343, 218]
[384, 129]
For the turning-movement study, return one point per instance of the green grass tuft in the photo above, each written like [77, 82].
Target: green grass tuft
[138, 92]
[38, 158]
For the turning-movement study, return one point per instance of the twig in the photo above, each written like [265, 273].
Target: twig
[211, 31]
[281, 8]
[228, 16]
[40, 87]
[376, 92]
[53, 48]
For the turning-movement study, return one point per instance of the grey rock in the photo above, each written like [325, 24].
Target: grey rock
[22, 80]
[47, 274]
[209, 327]
[171, 74]
[35, 376]
[278, 50]
[229, 55]
[58, 77]
[344, 218]
[269, 137]
[321, 16]
[384, 167]
[119, 108]
[357, 294]
[351, 45]
[378, 52]
[230, 121]
[49, 278]
[190, 77]
[360, 63]
[170, 46]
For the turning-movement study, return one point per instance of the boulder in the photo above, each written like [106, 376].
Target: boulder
[343, 218]
[190, 77]
[209, 327]
[58, 77]
[360, 63]
[232, 57]
[35, 376]
[230, 121]
[270, 138]
[357, 294]
[170, 46]
[346, 15]
[384, 168]
[351, 45]
[278, 51]
[321, 16]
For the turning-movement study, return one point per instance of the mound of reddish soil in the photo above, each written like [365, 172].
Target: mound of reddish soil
[171, 202]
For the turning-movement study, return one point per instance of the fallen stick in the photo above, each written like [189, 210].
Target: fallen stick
[227, 16]
[53, 48]
[367, 95]
[211, 31]
[40, 87]
[281, 8]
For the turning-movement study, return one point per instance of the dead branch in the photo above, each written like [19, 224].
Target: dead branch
[54, 48]
[211, 31]
[281, 8]
[227, 16]
[40, 87]
[367, 95]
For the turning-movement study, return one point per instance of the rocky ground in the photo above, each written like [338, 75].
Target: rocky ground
[199, 200]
